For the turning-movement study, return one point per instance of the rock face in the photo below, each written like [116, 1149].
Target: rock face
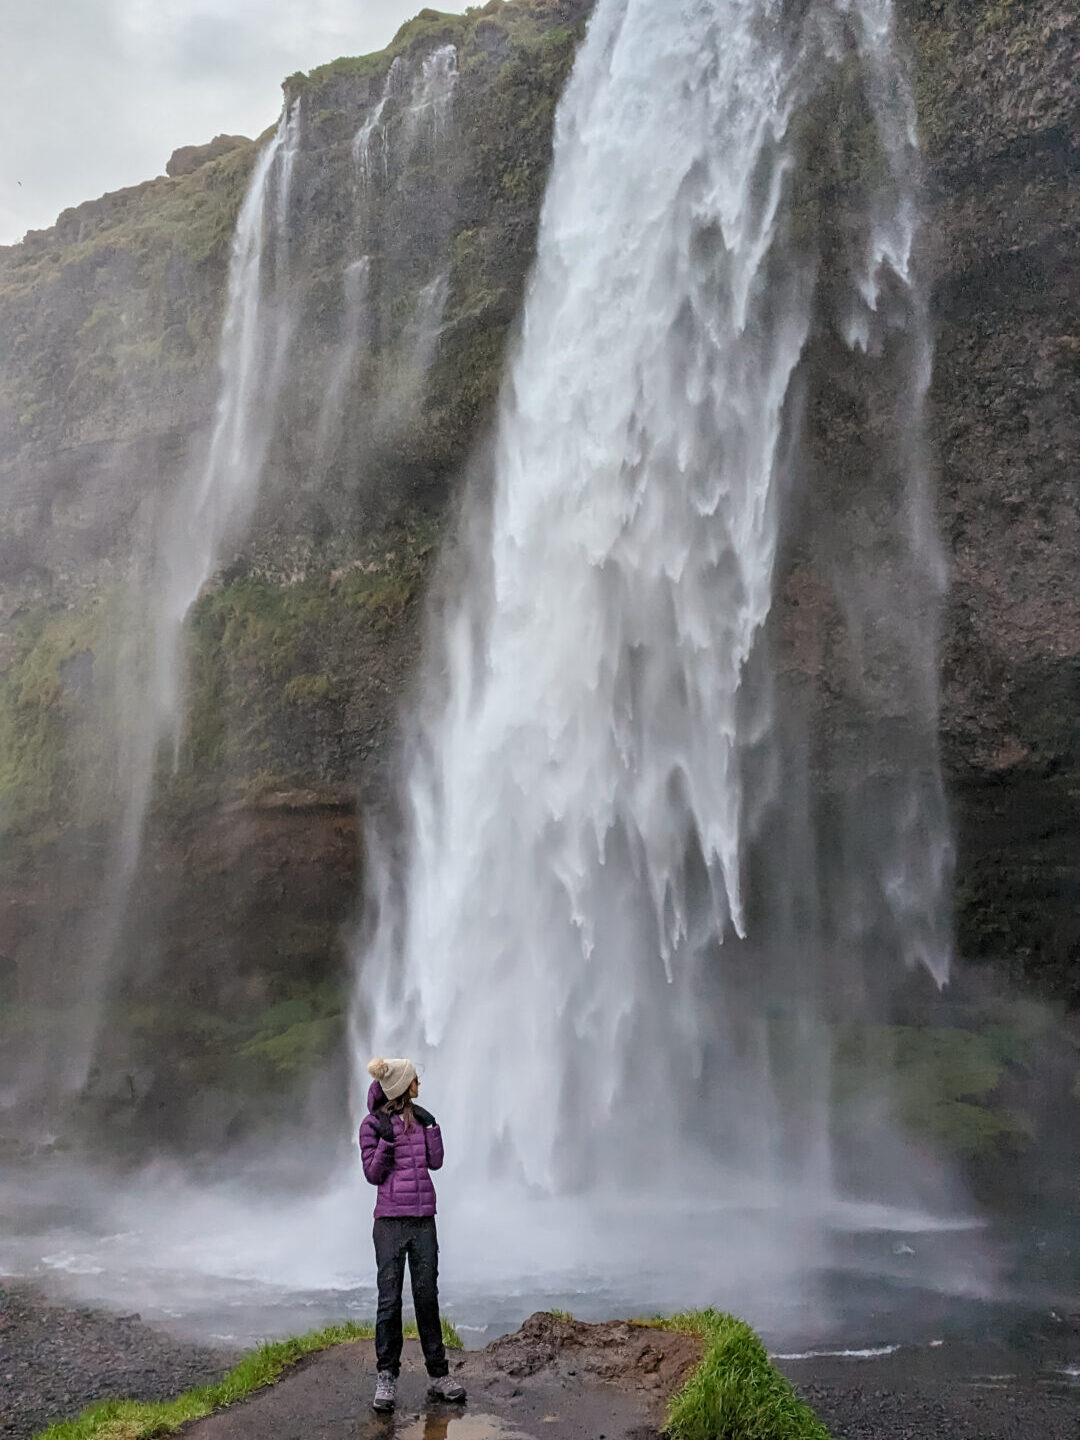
[302, 650]
[1001, 105]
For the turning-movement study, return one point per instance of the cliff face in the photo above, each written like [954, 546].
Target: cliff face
[1001, 109]
[408, 244]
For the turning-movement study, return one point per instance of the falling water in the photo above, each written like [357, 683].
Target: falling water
[608, 933]
[258, 326]
[433, 95]
[355, 284]
[370, 134]
[210, 511]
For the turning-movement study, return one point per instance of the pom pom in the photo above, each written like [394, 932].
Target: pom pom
[378, 1069]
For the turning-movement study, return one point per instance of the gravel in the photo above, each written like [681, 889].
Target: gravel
[54, 1361]
[958, 1392]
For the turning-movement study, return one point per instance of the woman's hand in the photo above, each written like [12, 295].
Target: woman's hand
[425, 1117]
[384, 1127]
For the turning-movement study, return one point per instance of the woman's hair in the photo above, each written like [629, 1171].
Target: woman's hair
[402, 1106]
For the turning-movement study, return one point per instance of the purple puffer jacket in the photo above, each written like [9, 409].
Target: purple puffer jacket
[400, 1170]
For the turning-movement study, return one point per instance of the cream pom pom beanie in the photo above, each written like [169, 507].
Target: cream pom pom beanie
[395, 1076]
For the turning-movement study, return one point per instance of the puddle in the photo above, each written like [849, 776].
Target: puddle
[458, 1427]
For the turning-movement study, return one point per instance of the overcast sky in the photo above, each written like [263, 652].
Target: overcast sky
[97, 94]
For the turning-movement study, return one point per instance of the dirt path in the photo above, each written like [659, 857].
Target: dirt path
[552, 1380]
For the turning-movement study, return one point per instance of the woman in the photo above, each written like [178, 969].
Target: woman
[399, 1144]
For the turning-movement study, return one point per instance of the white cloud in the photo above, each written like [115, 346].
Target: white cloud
[98, 93]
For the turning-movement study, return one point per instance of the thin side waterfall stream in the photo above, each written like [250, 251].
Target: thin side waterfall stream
[623, 931]
[209, 512]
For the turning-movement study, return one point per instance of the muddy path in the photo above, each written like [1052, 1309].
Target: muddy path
[552, 1380]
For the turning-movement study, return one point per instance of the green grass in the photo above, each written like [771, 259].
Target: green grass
[736, 1393]
[139, 1420]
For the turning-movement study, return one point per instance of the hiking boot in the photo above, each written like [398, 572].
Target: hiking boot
[385, 1391]
[445, 1387]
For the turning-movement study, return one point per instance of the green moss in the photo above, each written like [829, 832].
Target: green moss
[52, 761]
[296, 1035]
[261, 647]
[944, 1080]
[140, 1420]
[736, 1393]
[999, 13]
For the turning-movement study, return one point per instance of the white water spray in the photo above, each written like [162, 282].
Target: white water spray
[570, 941]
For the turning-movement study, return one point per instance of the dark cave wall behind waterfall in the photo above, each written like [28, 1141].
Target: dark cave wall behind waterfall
[303, 651]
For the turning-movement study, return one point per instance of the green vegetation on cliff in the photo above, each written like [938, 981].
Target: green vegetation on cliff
[53, 766]
[118, 303]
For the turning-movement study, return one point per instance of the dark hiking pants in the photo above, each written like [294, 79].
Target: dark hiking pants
[397, 1238]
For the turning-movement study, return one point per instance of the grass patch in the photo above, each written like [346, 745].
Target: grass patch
[736, 1393]
[140, 1420]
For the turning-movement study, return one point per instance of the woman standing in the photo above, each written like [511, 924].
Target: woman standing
[399, 1144]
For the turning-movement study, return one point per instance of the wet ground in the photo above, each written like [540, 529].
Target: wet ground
[551, 1380]
[596, 1390]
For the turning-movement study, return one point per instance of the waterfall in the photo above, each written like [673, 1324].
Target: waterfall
[209, 512]
[419, 347]
[258, 326]
[433, 95]
[425, 117]
[371, 131]
[355, 284]
[627, 911]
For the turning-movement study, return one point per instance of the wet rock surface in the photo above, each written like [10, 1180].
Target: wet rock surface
[56, 1360]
